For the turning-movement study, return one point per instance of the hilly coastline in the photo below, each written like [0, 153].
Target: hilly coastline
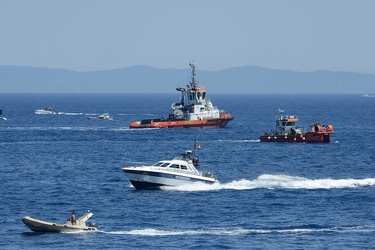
[145, 79]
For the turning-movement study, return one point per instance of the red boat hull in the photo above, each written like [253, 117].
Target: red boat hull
[212, 123]
[307, 137]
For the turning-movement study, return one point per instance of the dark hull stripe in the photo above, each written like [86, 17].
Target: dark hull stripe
[145, 185]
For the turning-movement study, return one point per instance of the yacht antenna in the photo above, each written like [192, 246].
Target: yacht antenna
[195, 146]
[279, 118]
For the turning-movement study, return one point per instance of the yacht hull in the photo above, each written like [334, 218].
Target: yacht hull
[44, 112]
[143, 179]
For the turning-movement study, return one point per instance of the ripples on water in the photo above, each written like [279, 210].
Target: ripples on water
[268, 196]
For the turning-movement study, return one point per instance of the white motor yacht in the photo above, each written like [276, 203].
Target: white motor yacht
[46, 111]
[184, 169]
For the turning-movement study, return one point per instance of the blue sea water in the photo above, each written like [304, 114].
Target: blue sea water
[270, 195]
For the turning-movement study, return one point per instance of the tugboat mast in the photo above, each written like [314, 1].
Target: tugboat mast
[193, 81]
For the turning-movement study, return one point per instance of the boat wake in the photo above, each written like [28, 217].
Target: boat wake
[244, 231]
[70, 113]
[65, 128]
[239, 141]
[269, 181]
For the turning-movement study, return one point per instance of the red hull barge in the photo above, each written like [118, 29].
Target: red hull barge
[194, 110]
[286, 131]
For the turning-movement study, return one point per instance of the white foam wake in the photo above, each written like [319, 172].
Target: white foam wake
[242, 231]
[278, 182]
[70, 113]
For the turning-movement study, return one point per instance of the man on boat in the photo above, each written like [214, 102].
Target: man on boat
[73, 218]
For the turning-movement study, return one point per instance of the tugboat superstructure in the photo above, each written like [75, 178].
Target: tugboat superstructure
[194, 109]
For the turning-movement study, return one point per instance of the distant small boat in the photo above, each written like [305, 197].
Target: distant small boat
[104, 116]
[366, 95]
[45, 226]
[1, 112]
[46, 111]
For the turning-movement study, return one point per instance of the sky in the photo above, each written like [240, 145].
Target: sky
[90, 35]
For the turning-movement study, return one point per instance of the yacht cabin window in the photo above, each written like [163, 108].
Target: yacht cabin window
[184, 167]
[175, 166]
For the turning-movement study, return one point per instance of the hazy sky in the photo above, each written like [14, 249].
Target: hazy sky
[85, 35]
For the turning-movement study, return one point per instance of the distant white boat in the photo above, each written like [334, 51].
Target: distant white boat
[46, 111]
[366, 95]
[104, 116]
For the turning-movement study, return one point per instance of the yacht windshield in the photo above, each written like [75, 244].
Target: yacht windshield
[165, 164]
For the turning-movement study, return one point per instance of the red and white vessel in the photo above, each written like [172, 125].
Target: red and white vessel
[286, 131]
[194, 110]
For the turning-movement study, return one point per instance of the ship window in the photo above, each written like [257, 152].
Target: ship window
[203, 95]
[283, 123]
[175, 166]
[158, 163]
[164, 164]
[183, 167]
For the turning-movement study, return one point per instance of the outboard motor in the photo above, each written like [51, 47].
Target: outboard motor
[93, 225]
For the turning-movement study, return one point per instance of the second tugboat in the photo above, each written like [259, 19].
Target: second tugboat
[286, 131]
[194, 110]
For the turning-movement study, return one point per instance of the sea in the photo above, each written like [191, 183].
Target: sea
[269, 195]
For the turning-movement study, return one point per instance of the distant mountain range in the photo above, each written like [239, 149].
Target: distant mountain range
[145, 79]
